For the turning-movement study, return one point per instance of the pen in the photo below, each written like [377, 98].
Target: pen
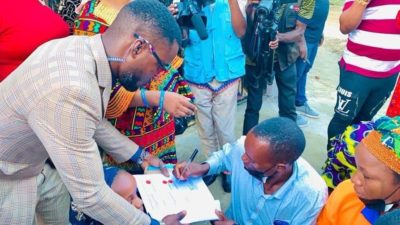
[190, 160]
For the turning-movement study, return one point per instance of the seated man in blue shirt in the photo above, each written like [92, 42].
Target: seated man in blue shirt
[271, 183]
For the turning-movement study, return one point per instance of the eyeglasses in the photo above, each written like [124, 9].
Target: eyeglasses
[153, 52]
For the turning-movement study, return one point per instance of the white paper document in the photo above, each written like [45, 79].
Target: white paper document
[163, 196]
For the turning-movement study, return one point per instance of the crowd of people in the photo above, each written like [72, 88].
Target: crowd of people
[91, 92]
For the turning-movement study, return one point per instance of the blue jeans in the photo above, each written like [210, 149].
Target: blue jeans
[302, 70]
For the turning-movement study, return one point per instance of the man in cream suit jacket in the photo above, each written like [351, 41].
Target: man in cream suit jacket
[53, 105]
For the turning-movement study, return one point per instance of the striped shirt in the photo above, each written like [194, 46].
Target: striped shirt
[373, 48]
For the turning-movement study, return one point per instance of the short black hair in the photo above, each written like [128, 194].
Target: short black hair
[286, 139]
[154, 18]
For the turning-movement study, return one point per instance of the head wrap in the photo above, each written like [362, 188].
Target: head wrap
[110, 173]
[384, 142]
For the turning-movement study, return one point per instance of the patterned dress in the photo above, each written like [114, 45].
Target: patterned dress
[150, 128]
[341, 164]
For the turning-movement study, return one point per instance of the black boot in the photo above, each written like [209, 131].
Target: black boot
[226, 182]
[209, 179]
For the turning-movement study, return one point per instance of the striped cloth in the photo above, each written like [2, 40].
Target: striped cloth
[373, 49]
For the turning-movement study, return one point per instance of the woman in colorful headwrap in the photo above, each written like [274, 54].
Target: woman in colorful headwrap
[340, 164]
[374, 188]
[149, 127]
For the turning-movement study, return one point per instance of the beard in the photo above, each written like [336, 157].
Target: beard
[130, 81]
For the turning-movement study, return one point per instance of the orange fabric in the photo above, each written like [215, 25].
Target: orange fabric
[343, 207]
[119, 103]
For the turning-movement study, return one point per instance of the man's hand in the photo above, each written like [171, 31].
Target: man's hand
[173, 9]
[274, 44]
[302, 48]
[294, 35]
[223, 220]
[253, 2]
[250, 6]
[178, 105]
[193, 170]
[156, 162]
[174, 219]
[321, 41]
[138, 203]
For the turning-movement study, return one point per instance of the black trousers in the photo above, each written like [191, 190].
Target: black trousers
[286, 82]
[359, 98]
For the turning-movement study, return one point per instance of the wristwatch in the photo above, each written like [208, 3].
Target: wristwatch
[362, 2]
[142, 156]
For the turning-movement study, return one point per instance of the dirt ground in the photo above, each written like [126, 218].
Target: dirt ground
[321, 92]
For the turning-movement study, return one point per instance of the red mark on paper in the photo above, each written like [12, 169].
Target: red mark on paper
[170, 181]
[148, 182]
[164, 182]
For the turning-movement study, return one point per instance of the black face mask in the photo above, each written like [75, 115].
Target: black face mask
[376, 204]
[257, 174]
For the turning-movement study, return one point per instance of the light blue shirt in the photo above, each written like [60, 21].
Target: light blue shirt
[297, 202]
